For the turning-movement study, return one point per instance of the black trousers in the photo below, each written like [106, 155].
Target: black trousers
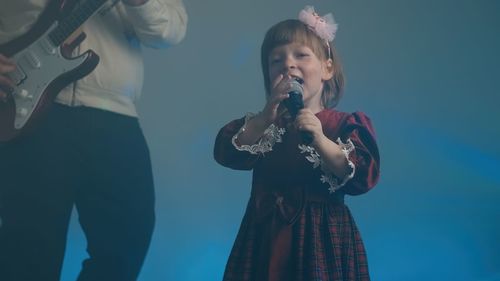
[95, 160]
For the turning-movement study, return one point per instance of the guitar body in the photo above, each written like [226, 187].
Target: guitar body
[43, 70]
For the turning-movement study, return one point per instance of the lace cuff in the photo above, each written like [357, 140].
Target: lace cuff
[328, 177]
[271, 136]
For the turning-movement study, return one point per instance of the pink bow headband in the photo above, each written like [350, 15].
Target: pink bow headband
[325, 26]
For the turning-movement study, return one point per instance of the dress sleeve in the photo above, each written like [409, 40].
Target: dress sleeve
[226, 154]
[230, 153]
[358, 130]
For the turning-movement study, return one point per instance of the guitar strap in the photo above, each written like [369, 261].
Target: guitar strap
[67, 7]
[70, 5]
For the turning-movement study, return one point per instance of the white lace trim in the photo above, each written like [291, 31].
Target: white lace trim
[271, 136]
[328, 177]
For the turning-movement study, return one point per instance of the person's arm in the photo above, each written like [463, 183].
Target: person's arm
[157, 23]
[225, 151]
[351, 161]
[256, 126]
[253, 129]
[333, 158]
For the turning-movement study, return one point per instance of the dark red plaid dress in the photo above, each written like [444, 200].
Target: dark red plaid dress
[294, 228]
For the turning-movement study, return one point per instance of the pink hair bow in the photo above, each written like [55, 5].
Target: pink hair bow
[325, 26]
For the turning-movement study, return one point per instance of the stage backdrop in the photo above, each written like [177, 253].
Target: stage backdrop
[426, 72]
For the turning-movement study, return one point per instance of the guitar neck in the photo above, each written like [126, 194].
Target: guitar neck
[73, 21]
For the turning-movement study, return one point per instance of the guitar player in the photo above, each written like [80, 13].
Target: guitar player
[87, 151]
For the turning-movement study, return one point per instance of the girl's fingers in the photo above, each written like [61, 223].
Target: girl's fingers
[307, 120]
[281, 84]
[277, 81]
[278, 93]
[280, 89]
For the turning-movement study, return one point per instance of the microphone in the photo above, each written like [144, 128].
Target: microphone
[294, 104]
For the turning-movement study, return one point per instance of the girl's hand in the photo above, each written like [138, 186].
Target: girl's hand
[6, 84]
[306, 121]
[333, 158]
[279, 92]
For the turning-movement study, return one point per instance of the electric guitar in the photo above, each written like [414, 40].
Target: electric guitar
[44, 65]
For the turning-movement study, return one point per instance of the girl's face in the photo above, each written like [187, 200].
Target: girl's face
[299, 61]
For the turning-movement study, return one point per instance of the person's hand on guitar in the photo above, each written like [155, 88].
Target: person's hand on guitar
[6, 84]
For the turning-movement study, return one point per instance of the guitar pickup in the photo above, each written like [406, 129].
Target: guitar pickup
[33, 60]
[48, 46]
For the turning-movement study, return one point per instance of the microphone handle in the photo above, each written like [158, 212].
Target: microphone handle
[294, 103]
[307, 137]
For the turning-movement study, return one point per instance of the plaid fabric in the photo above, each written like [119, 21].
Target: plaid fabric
[323, 243]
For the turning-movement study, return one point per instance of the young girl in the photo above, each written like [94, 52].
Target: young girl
[296, 226]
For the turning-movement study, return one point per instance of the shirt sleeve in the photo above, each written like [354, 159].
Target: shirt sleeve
[158, 23]
[357, 128]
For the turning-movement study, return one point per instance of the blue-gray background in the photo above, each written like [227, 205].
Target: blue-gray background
[425, 71]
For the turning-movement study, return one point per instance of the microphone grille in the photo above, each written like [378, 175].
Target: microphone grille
[294, 103]
[296, 86]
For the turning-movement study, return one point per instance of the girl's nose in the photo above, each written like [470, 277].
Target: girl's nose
[289, 63]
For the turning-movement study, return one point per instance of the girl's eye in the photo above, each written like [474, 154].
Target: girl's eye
[275, 60]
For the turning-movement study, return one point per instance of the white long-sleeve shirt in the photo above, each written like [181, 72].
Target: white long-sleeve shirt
[116, 35]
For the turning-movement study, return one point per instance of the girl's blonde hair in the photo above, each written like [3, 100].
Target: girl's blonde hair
[294, 31]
